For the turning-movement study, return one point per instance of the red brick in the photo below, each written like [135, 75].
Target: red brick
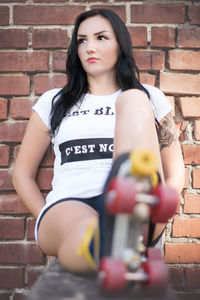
[14, 38]
[192, 278]
[182, 253]
[158, 13]
[189, 38]
[15, 253]
[44, 178]
[11, 204]
[119, 10]
[194, 13]
[179, 83]
[20, 108]
[59, 61]
[191, 154]
[184, 60]
[196, 178]
[46, 15]
[3, 108]
[187, 179]
[178, 207]
[149, 60]
[93, 1]
[16, 151]
[197, 130]
[4, 155]
[32, 276]
[30, 228]
[181, 135]
[48, 159]
[138, 36]
[24, 61]
[187, 227]
[192, 203]
[11, 228]
[4, 15]
[42, 83]
[11, 278]
[6, 180]
[10, 1]
[47, 1]
[147, 78]
[49, 38]
[190, 107]
[4, 296]
[183, 124]
[19, 296]
[181, 128]
[163, 37]
[12, 132]
[176, 277]
[14, 85]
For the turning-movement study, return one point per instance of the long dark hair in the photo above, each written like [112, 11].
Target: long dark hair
[127, 73]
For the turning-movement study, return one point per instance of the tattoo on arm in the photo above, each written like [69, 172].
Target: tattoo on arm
[167, 133]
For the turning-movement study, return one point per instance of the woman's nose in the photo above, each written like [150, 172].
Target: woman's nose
[91, 47]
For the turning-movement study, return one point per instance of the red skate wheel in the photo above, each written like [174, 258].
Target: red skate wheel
[157, 273]
[154, 253]
[166, 206]
[120, 196]
[112, 274]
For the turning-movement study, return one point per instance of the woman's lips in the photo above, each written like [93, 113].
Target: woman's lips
[92, 59]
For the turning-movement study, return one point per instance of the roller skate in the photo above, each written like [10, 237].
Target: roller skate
[134, 201]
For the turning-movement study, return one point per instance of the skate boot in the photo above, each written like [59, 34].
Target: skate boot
[134, 201]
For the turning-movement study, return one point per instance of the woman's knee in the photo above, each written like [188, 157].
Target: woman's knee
[132, 98]
[68, 251]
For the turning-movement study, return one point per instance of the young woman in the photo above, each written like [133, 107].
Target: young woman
[102, 100]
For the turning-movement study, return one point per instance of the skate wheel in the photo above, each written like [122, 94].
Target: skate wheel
[157, 273]
[111, 275]
[143, 163]
[120, 196]
[166, 206]
[154, 253]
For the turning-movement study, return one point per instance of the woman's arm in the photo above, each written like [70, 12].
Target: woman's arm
[172, 159]
[32, 150]
[171, 154]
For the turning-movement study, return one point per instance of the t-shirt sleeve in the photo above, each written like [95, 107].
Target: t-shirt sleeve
[43, 106]
[160, 105]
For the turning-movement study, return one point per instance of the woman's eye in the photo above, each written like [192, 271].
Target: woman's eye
[81, 41]
[102, 37]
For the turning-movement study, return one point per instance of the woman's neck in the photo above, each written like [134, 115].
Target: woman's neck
[102, 85]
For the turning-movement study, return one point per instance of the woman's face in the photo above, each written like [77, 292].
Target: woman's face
[98, 48]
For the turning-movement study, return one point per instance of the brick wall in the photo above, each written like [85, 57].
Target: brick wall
[33, 39]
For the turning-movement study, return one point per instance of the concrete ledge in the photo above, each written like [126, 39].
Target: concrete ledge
[55, 283]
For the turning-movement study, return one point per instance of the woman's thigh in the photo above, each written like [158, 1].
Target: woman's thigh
[59, 222]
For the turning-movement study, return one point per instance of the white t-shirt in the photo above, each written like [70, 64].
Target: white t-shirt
[83, 145]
